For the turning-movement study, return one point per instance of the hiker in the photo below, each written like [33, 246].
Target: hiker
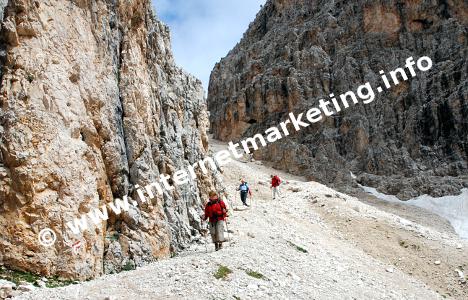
[216, 212]
[275, 184]
[244, 190]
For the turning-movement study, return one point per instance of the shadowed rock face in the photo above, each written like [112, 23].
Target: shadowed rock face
[92, 104]
[412, 139]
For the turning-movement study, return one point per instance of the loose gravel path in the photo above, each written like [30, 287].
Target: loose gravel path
[287, 241]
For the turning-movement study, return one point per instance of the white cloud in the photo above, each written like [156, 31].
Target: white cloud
[203, 31]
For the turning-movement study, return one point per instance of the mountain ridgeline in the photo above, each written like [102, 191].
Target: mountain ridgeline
[412, 139]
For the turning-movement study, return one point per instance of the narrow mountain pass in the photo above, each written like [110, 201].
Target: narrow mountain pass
[278, 249]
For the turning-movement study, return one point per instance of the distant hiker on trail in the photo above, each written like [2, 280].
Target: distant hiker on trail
[216, 212]
[244, 190]
[275, 184]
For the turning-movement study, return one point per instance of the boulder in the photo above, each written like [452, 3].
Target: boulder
[6, 289]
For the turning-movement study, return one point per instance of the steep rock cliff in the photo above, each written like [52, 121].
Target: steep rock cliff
[91, 105]
[412, 139]
[3, 3]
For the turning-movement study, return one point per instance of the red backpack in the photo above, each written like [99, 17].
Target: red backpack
[276, 181]
[217, 210]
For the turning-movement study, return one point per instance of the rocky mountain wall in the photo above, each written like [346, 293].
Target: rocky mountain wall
[3, 3]
[412, 139]
[91, 105]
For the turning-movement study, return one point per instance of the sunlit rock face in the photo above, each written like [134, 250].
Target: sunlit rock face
[91, 105]
[411, 139]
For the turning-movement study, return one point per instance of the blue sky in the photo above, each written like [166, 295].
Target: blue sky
[203, 31]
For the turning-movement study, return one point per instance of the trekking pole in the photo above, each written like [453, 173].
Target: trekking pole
[228, 201]
[206, 241]
[227, 228]
[204, 233]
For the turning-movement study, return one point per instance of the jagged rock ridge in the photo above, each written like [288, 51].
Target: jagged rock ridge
[92, 104]
[413, 139]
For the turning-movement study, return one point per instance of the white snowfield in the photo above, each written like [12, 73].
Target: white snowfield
[270, 239]
[452, 208]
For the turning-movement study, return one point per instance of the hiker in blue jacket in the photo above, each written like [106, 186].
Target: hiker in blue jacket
[244, 190]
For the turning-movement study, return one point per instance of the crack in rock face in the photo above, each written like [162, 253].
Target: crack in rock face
[411, 140]
[93, 104]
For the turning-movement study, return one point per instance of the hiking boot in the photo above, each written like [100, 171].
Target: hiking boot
[220, 246]
[217, 246]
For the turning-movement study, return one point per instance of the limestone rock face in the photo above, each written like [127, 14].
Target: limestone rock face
[91, 105]
[412, 139]
[3, 3]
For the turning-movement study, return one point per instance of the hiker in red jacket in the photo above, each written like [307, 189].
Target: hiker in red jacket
[275, 183]
[216, 212]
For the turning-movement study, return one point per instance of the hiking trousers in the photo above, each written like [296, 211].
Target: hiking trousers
[217, 231]
[244, 197]
[276, 192]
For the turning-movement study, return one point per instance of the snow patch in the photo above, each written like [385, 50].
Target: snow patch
[373, 191]
[452, 208]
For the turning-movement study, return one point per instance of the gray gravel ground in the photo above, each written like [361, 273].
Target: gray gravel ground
[269, 238]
